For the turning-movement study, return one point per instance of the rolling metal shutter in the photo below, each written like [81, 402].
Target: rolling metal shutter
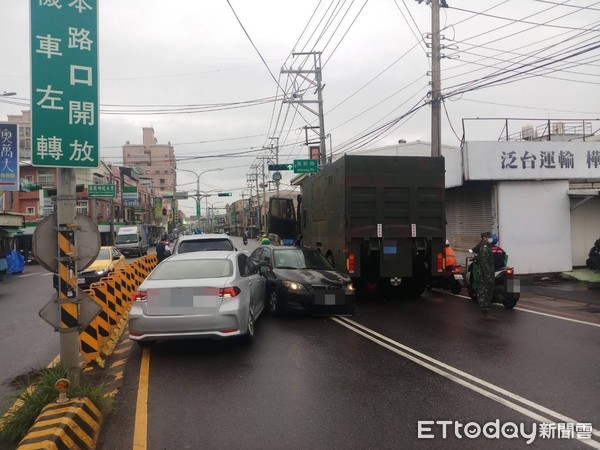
[468, 213]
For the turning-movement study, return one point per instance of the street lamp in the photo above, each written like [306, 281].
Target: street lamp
[197, 196]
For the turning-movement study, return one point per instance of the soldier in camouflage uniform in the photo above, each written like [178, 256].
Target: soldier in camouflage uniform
[485, 275]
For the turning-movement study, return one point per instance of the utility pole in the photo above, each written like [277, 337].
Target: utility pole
[112, 210]
[276, 138]
[317, 83]
[436, 84]
[436, 107]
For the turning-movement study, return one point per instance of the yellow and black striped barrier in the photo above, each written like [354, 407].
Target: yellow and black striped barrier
[74, 424]
[115, 294]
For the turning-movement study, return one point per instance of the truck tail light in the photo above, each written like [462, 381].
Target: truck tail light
[350, 263]
[457, 268]
[140, 296]
[441, 262]
[510, 272]
[229, 292]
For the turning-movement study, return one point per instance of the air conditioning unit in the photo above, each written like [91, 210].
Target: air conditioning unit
[558, 128]
[527, 133]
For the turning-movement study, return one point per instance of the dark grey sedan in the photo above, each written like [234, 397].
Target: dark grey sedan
[301, 279]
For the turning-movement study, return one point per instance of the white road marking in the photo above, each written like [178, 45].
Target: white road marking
[414, 356]
[531, 311]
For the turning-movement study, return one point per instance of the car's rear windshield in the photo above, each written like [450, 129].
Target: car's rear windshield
[192, 269]
[204, 245]
[300, 259]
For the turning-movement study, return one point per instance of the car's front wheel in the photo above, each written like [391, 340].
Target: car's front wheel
[275, 306]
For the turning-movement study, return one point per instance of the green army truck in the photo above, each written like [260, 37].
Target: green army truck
[380, 219]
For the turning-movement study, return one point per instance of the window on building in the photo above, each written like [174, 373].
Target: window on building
[46, 178]
[82, 207]
[161, 181]
[157, 171]
[166, 171]
[29, 179]
[30, 211]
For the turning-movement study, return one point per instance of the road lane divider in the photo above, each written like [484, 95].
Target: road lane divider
[74, 424]
[482, 387]
[114, 293]
[140, 428]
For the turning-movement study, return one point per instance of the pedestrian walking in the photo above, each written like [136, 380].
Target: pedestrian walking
[485, 274]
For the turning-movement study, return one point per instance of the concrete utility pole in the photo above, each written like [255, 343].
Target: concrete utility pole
[112, 210]
[276, 138]
[317, 83]
[436, 84]
[66, 209]
[436, 107]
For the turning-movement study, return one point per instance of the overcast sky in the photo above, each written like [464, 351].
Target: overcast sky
[532, 59]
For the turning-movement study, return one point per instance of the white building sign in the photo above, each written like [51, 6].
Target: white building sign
[531, 160]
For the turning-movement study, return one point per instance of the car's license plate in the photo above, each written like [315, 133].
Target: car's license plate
[80, 280]
[458, 276]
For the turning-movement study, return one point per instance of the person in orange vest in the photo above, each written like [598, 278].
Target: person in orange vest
[450, 255]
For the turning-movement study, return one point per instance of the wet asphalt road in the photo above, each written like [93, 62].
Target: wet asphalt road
[317, 382]
[325, 382]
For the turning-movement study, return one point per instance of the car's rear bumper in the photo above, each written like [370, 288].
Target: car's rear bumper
[143, 327]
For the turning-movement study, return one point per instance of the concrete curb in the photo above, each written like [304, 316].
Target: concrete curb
[71, 425]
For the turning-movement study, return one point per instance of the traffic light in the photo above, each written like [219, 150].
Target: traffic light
[224, 194]
[281, 167]
[164, 211]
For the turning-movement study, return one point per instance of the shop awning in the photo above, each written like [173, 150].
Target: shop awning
[10, 230]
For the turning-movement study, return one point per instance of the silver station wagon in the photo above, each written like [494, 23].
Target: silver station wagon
[217, 294]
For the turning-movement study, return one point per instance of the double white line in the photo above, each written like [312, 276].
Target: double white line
[517, 403]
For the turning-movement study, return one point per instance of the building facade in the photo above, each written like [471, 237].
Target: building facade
[536, 188]
[154, 161]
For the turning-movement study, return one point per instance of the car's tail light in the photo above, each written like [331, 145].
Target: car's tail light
[140, 296]
[350, 261]
[441, 262]
[510, 271]
[457, 268]
[229, 292]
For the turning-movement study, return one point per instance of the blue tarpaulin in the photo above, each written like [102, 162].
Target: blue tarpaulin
[15, 262]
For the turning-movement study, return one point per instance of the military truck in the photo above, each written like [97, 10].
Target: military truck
[380, 219]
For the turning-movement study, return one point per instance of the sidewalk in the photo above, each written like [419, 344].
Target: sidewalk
[578, 287]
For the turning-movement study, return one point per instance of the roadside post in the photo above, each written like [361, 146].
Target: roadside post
[64, 123]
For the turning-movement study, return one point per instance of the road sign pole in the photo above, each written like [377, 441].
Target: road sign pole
[66, 208]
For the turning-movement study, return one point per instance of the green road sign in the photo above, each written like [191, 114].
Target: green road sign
[281, 166]
[224, 194]
[102, 190]
[64, 83]
[306, 166]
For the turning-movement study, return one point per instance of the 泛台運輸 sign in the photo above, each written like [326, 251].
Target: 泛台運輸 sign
[64, 83]
[9, 157]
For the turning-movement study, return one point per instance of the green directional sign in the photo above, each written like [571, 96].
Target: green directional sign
[306, 166]
[64, 83]
[102, 190]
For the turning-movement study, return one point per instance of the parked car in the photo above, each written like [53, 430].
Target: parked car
[216, 294]
[301, 279]
[108, 259]
[202, 242]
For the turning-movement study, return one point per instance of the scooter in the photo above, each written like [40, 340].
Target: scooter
[452, 281]
[506, 287]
